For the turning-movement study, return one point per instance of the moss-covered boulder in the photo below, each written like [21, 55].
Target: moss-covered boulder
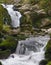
[4, 54]
[6, 28]
[9, 43]
[49, 63]
[48, 51]
[4, 16]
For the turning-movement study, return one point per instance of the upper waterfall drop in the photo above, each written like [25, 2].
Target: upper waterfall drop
[15, 15]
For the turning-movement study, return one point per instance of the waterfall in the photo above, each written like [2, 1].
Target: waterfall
[33, 54]
[15, 15]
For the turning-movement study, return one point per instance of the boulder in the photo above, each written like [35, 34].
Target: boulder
[45, 22]
[49, 30]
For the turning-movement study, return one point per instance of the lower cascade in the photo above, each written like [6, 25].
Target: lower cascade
[15, 15]
[29, 52]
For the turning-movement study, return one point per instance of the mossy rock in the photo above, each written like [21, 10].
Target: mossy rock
[4, 54]
[26, 23]
[4, 15]
[21, 37]
[49, 63]
[48, 51]
[9, 43]
[6, 28]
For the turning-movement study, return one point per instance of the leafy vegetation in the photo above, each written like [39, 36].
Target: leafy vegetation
[49, 63]
[48, 51]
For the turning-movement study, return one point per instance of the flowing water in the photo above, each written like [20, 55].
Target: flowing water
[34, 51]
[15, 15]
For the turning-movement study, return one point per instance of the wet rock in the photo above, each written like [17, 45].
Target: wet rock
[0, 63]
[43, 62]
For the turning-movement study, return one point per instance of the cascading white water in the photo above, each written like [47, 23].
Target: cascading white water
[15, 15]
[31, 58]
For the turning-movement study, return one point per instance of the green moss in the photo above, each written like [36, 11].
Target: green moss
[48, 51]
[9, 43]
[6, 28]
[49, 63]
[4, 14]
[26, 23]
[21, 37]
[45, 4]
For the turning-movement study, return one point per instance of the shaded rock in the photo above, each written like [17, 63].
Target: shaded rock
[4, 54]
[49, 12]
[43, 62]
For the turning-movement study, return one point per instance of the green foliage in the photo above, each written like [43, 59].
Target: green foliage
[48, 51]
[6, 28]
[4, 14]
[21, 37]
[49, 63]
[46, 4]
[26, 23]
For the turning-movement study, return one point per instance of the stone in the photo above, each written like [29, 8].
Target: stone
[45, 22]
[49, 30]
